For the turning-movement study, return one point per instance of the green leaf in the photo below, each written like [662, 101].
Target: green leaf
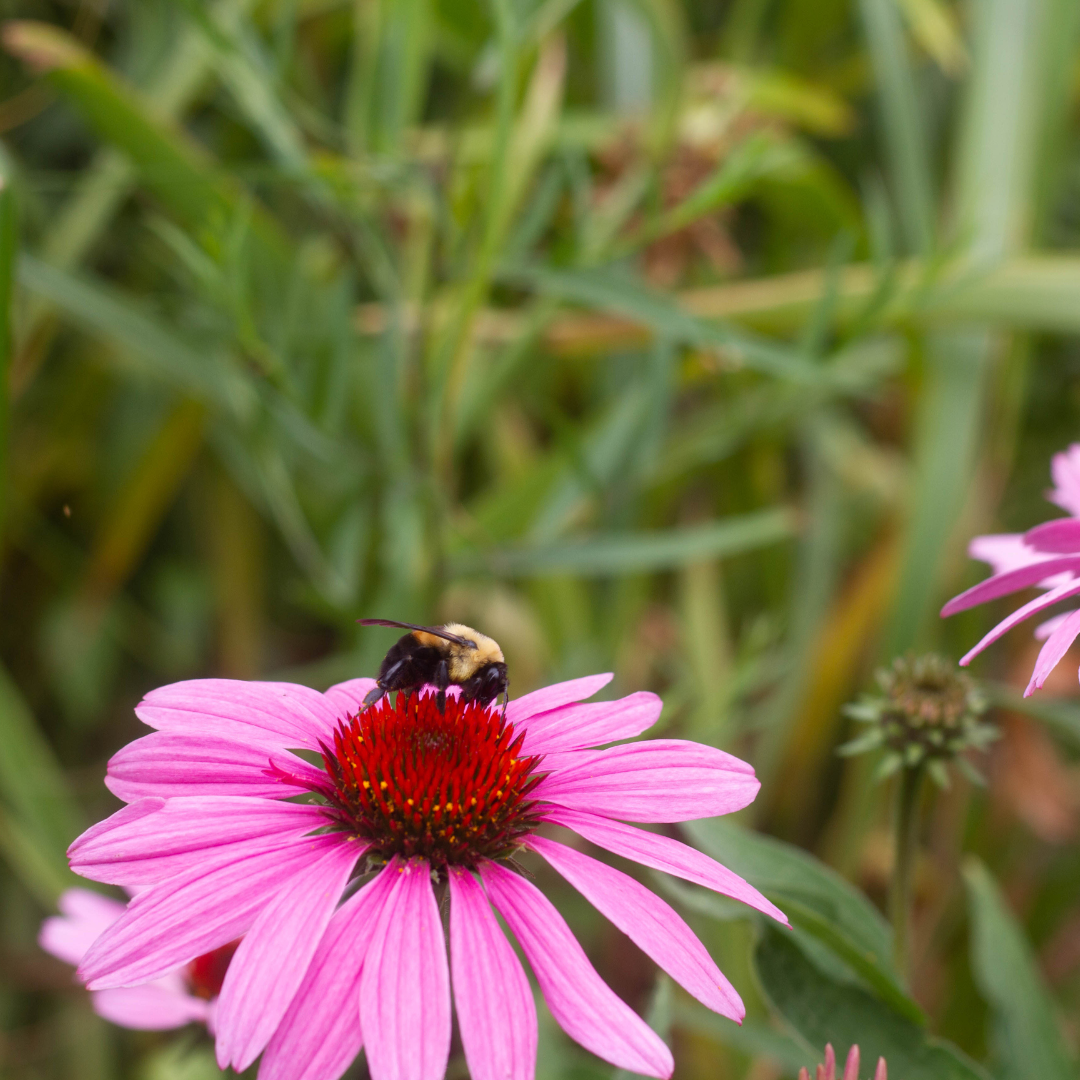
[613, 554]
[114, 317]
[822, 1009]
[815, 898]
[170, 164]
[608, 291]
[753, 1037]
[1026, 1034]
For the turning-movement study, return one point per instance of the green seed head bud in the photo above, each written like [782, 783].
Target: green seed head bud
[928, 713]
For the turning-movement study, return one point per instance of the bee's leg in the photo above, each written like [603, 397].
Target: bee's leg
[442, 681]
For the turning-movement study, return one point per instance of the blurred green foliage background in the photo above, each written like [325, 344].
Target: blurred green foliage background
[689, 339]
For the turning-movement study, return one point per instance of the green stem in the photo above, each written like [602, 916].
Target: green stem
[907, 832]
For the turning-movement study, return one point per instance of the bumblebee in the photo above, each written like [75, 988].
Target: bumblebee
[450, 655]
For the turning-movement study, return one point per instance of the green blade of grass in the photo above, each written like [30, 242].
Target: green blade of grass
[905, 134]
[170, 164]
[604, 556]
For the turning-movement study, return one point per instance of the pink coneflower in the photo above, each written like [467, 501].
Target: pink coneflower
[179, 997]
[851, 1068]
[1047, 556]
[337, 895]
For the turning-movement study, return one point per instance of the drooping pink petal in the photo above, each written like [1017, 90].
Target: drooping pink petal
[1003, 551]
[551, 697]
[1035, 573]
[574, 726]
[168, 764]
[271, 961]
[84, 917]
[183, 833]
[195, 912]
[319, 1035]
[495, 1008]
[851, 1068]
[585, 1007]
[881, 1072]
[264, 713]
[1055, 647]
[662, 853]
[1059, 536]
[405, 985]
[1045, 629]
[1033, 607]
[149, 1008]
[658, 780]
[347, 698]
[1065, 470]
[651, 923]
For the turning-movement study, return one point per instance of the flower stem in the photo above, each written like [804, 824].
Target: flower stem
[906, 825]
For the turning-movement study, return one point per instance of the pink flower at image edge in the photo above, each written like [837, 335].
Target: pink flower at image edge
[1047, 557]
[218, 854]
[165, 1003]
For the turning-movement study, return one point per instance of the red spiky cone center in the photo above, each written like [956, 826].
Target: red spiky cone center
[450, 787]
[206, 973]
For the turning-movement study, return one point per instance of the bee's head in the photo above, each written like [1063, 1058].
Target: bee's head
[490, 681]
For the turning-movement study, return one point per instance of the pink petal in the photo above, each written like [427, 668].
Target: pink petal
[580, 1001]
[126, 815]
[495, 1007]
[1061, 535]
[195, 912]
[148, 1008]
[168, 764]
[319, 1035]
[1065, 470]
[1003, 551]
[347, 698]
[881, 1072]
[572, 727]
[1023, 577]
[85, 917]
[405, 986]
[183, 833]
[1045, 629]
[658, 780]
[551, 697]
[649, 922]
[851, 1069]
[271, 961]
[264, 713]
[1033, 607]
[1056, 646]
[662, 853]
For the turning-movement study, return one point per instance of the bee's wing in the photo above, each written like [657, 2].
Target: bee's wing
[438, 631]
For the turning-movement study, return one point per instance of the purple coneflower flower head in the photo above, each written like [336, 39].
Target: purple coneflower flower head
[186, 995]
[337, 896]
[851, 1068]
[1048, 557]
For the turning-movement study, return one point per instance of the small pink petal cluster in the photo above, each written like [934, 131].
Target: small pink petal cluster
[1047, 556]
[337, 896]
[179, 997]
[851, 1068]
